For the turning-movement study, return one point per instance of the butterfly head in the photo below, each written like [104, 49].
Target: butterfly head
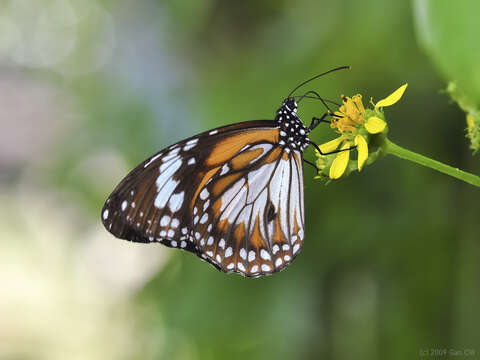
[290, 104]
[288, 110]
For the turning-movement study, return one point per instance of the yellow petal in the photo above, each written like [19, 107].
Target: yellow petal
[362, 148]
[330, 146]
[340, 163]
[375, 125]
[392, 98]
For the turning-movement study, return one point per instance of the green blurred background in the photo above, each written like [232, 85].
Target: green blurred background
[88, 89]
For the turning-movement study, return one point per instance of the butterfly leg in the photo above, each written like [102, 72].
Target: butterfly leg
[330, 152]
[316, 121]
[312, 164]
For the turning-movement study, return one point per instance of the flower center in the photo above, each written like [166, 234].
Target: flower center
[350, 115]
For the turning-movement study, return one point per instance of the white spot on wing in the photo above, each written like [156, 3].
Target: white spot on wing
[264, 254]
[225, 169]
[296, 248]
[204, 218]
[190, 144]
[167, 164]
[124, 205]
[105, 214]
[165, 192]
[243, 254]
[205, 206]
[152, 159]
[166, 171]
[176, 201]
[222, 243]
[275, 249]
[204, 194]
[164, 220]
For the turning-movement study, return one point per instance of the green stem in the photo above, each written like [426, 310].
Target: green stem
[393, 149]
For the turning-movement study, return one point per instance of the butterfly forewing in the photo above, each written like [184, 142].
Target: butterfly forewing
[154, 201]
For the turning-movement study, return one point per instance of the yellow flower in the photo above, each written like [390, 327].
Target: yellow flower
[356, 126]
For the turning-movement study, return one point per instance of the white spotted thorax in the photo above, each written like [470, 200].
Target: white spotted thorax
[293, 134]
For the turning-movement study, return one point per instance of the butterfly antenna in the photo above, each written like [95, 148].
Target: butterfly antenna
[317, 97]
[316, 77]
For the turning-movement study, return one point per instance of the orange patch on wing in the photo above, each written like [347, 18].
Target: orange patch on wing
[222, 226]
[225, 182]
[230, 146]
[273, 156]
[216, 206]
[242, 160]
[205, 177]
[239, 232]
[296, 227]
[278, 236]
[256, 239]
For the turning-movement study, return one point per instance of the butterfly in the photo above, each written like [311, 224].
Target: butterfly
[232, 195]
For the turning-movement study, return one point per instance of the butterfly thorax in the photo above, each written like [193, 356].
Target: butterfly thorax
[293, 134]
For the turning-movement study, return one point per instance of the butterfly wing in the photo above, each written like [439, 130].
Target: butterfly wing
[249, 215]
[154, 202]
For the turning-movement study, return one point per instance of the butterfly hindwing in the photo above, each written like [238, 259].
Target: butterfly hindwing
[248, 217]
